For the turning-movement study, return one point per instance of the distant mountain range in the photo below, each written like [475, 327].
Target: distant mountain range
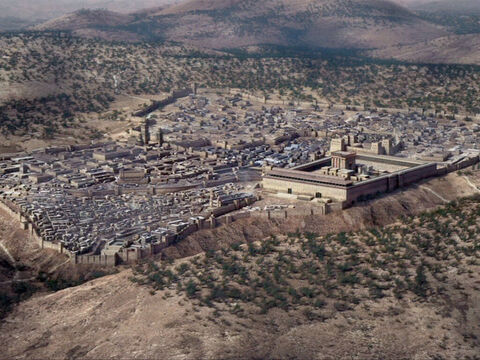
[15, 14]
[422, 30]
[362, 24]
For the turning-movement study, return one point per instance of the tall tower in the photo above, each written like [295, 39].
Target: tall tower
[160, 137]
[387, 146]
[337, 145]
[376, 148]
[146, 132]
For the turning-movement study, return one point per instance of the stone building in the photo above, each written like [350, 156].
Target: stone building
[347, 177]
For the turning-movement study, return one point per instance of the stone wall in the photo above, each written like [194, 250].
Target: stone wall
[301, 188]
[177, 94]
[102, 260]
[390, 182]
[386, 163]
[25, 224]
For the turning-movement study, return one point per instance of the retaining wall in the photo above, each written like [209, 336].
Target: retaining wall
[103, 260]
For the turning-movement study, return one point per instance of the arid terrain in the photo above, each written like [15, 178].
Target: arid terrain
[232, 24]
[178, 110]
[23, 13]
[48, 93]
[465, 49]
[431, 313]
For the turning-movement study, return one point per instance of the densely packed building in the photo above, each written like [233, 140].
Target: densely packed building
[202, 156]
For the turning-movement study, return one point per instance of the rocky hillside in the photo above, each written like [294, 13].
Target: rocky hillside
[238, 23]
[26, 269]
[28, 10]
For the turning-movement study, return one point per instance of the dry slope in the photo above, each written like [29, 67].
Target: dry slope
[314, 23]
[461, 49]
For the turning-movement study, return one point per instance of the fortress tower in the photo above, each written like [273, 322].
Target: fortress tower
[337, 145]
[146, 133]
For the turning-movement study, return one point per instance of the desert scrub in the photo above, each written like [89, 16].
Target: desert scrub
[336, 272]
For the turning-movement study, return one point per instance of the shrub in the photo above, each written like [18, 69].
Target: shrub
[191, 289]
[420, 285]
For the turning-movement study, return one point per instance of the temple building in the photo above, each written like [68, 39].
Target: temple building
[347, 176]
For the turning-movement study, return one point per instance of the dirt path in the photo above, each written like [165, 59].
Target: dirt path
[60, 265]
[136, 97]
[435, 193]
[472, 185]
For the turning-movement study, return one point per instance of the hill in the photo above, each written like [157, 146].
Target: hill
[460, 17]
[405, 290]
[48, 9]
[458, 7]
[238, 23]
[465, 49]
[24, 13]
[84, 18]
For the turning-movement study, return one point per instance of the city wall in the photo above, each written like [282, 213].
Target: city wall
[162, 103]
[25, 224]
[224, 216]
[299, 187]
[102, 260]
[307, 104]
[390, 182]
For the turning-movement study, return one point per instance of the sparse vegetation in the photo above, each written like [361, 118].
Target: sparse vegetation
[86, 84]
[312, 273]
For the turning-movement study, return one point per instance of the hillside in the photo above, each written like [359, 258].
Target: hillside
[82, 19]
[460, 17]
[405, 290]
[238, 23]
[25, 269]
[459, 6]
[465, 49]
